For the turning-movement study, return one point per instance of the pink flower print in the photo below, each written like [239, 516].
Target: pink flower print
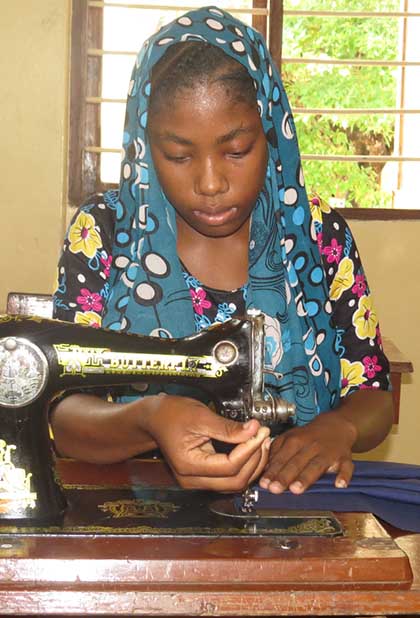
[333, 251]
[199, 301]
[319, 242]
[359, 287]
[106, 262]
[371, 366]
[89, 301]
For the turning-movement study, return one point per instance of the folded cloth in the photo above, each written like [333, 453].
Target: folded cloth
[391, 491]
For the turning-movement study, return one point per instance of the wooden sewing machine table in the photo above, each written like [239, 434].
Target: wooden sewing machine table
[365, 571]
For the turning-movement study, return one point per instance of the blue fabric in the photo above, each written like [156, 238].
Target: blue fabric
[389, 490]
[286, 277]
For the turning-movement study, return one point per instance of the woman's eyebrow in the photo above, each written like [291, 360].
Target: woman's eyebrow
[173, 137]
[183, 141]
[234, 133]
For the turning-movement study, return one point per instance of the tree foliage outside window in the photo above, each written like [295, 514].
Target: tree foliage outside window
[357, 184]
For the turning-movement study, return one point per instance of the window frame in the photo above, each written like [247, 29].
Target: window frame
[86, 81]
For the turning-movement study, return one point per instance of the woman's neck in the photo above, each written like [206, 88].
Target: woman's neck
[219, 263]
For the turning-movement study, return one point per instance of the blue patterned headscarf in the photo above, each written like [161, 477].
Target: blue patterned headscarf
[286, 277]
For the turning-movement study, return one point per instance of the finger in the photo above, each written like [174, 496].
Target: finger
[226, 430]
[275, 448]
[251, 469]
[204, 462]
[242, 463]
[311, 472]
[210, 425]
[248, 473]
[302, 469]
[345, 473]
[284, 464]
[265, 452]
[242, 451]
[229, 484]
[315, 468]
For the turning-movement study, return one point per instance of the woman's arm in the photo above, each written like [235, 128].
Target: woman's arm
[364, 415]
[371, 412]
[90, 429]
[94, 430]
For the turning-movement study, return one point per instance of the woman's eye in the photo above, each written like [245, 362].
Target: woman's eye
[238, 154]
[176, 159]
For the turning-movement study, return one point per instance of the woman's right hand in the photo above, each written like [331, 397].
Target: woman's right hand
[184, 428]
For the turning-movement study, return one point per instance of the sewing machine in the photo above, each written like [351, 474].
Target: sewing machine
[104, 533]
[40, 358]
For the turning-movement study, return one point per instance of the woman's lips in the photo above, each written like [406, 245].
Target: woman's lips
[215, 217]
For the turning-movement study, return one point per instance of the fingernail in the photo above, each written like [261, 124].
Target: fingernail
[275, 487]
[267, 443]
[341, 483]
[296, 487]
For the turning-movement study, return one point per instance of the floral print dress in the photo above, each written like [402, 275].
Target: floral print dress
[83, 288]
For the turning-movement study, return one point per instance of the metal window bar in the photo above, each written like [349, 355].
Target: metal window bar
[285, 59]
[300, 110]
[171, 7]
[366, 14]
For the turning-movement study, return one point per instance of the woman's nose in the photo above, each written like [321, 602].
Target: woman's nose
[210, 178]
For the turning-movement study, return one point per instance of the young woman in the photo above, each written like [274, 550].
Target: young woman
[212, 218]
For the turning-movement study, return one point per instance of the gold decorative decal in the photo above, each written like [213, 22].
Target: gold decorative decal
[6, 317]
[137, 508]
[312, 526]
[15, 483]
[77, 360]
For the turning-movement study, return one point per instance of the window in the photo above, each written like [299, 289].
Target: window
[106, 36]
[350, 68]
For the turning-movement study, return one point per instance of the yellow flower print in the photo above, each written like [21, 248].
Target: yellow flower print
[351, 375]
[318, 206]
[83, 236]
[88, 318]
[343, 280]
[365, 319]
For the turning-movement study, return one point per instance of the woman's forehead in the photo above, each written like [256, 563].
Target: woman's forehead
[206, 110]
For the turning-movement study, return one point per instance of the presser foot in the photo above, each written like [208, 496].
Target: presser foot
[243, 510]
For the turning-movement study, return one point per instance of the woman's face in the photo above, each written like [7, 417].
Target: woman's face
[210, 155]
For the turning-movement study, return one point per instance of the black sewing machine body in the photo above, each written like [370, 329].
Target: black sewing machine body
[40, 358]
[78, 357]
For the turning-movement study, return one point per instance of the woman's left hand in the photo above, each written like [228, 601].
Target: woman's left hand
[300, 456]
